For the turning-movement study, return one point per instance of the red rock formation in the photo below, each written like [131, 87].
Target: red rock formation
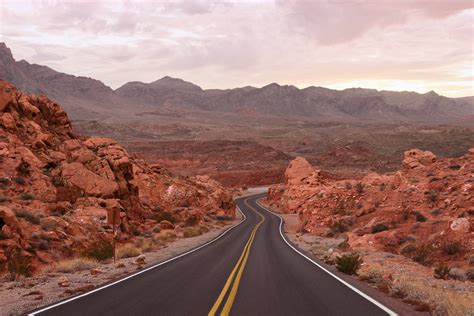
[58, 188]
[424, 210]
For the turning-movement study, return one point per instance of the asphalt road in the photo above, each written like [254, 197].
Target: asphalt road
[250, 270]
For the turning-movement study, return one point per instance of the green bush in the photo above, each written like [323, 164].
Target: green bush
[26, 196]
[99, 250]
[33, 219]
[379, 228]
[441, 272]
[349, 263]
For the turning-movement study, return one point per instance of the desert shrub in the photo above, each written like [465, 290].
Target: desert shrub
[135, 230]
[339, 209]
[33, 219]
[163, 216]
[223, 218]
[431, 195]
[26, 196]
[3, 198]
[382, 186]
[348, 185]
[19, 180]
[436, 211]
[48, 225]
[192, 220]
[4, 181]
[191, 232]
[2, 235]
[43, 245]
[99, 250]
[407, 249]
[344, 246]
[338, 227]
[420, 255]
[23, 169]
[18, 264]
[441, 272]
[349, 263]
[406, 215]
[75, 264]
[455, 167]
[420, 217]
[452, 248]
[377, 228]
[360, 187]
[128, 251]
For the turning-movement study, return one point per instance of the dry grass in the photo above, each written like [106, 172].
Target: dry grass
[440, 301]
[128, 251]
[76, 264]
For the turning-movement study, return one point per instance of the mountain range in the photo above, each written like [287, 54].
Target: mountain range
[85, 98]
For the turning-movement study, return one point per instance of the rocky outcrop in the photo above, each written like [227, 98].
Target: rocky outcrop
[60, 191]
[424, 211]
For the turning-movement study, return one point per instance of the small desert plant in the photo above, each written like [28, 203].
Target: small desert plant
[339, 209]
[4, 182]
[360, 187]
[452, 248]
[191, 232]
[338, 227]
[43, 245]
[3, 198]
[349, 263]
[420, 255]
[441, 272]
[128, 251]
[382, 186]
[19, 180]
[163, 216]
[2, 235]
[348, 185]
[436, 211]
[99, 250]
[431, 195]
[26, 196]
[377, 228]
[75, 264]
[18, 264]
[192, 220]
[33, 219]
[48, 225]
[420, 217]
[455, 167]
[23, 169]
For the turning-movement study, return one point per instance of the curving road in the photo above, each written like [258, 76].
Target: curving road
[249, 270]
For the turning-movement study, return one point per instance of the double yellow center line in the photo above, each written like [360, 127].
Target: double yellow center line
[236, 273]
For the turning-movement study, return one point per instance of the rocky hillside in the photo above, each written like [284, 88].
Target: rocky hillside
[88, 98]
[59, 191]
[424, 211]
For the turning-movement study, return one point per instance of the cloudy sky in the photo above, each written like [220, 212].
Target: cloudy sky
[393, 45]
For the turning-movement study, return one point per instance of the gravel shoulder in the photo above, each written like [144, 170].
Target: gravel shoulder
[19, 297]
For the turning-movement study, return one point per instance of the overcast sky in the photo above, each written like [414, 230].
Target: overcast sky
[390, 45]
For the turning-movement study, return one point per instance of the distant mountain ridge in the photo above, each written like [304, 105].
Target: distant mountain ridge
[84, 97]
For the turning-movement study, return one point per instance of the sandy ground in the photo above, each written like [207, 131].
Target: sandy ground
[24, 295]
[404, 286]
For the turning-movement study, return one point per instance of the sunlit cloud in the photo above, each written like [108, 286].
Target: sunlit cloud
[387, 45]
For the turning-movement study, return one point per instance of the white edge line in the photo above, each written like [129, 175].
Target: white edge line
[142, 271]
[367, 297]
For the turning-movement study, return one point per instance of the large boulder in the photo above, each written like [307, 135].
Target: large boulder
[299, 172]
[416, 158]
